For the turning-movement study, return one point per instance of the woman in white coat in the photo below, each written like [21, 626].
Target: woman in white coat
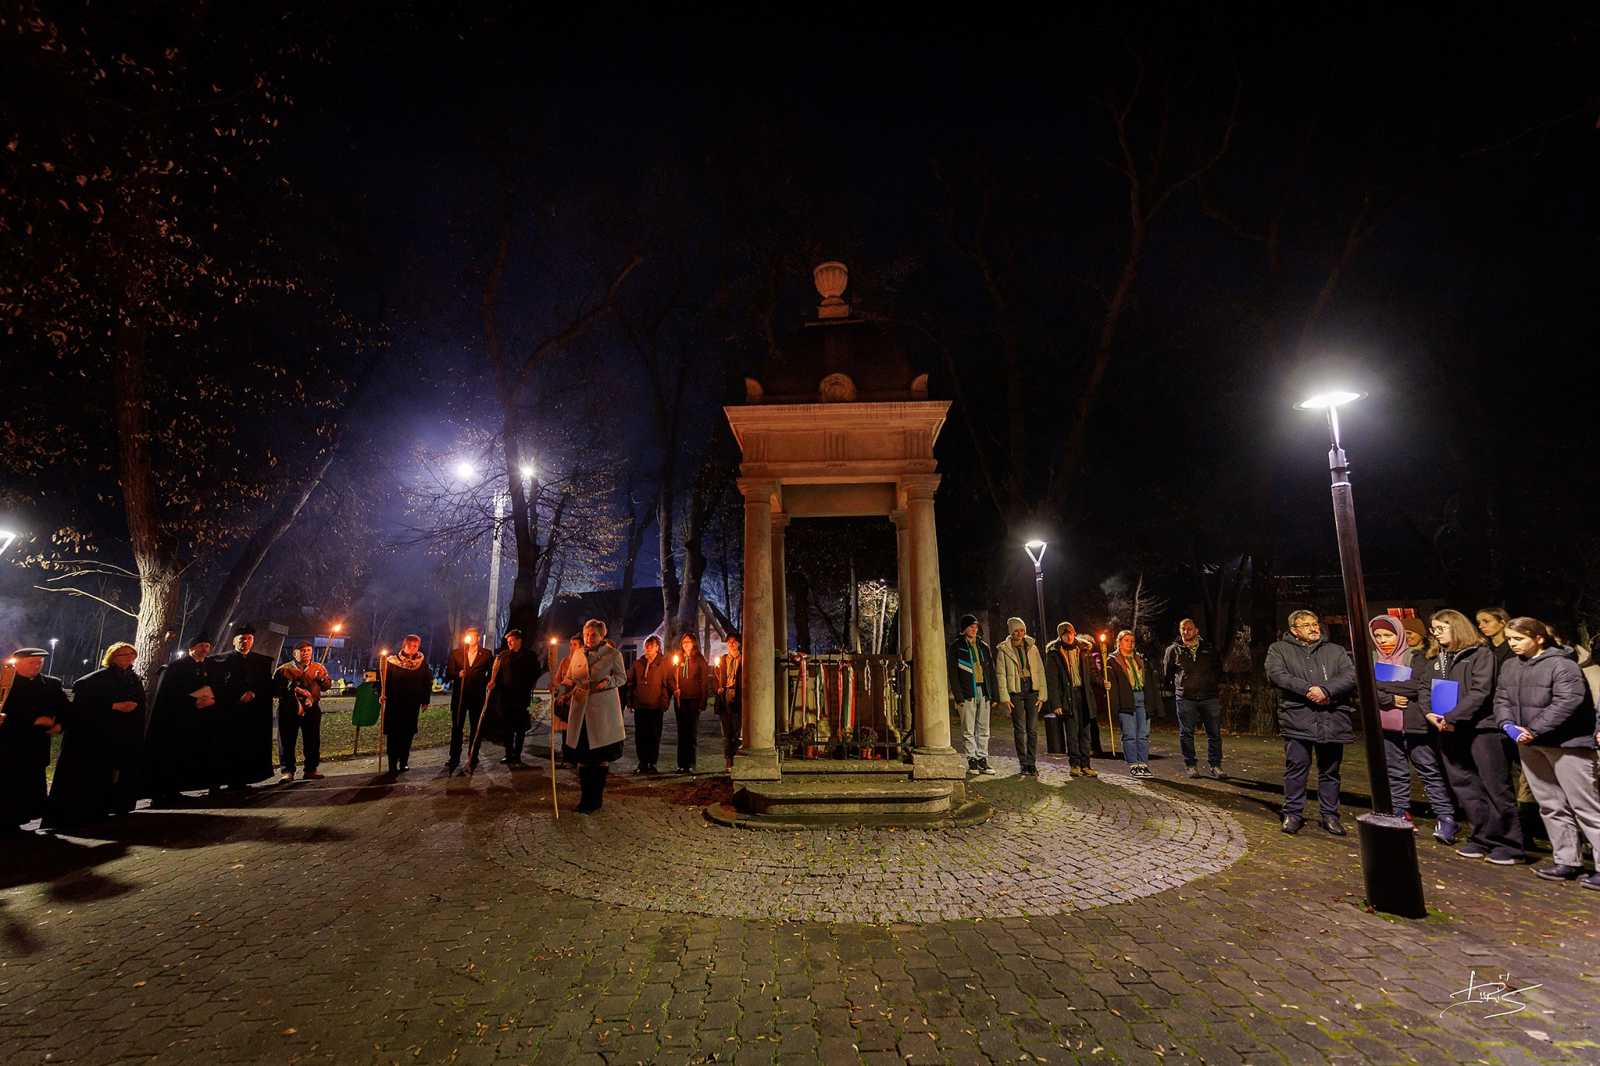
[595, 678]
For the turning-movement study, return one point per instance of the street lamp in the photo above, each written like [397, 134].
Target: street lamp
[1035, 550]
[465, 471]
[7, 538]
[52, 660]
[1388, 844]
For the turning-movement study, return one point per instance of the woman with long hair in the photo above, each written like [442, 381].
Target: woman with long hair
[1135, 692]
[1455, 693]
[1543, 704]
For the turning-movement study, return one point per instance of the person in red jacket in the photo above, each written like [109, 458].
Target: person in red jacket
[692, 685]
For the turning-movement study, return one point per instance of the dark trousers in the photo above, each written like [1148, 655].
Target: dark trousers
[1025, 726]
[1401, 751]
[462, 724]
[728, 712]
[647, 734]
[688, 715]
[1079, 725]
[514, 741]
[309, 726]
[1191, 712]
[1478, 766]
[400, 751]
[1297, 767]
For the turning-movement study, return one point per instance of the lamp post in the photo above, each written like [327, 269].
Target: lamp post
[1388, 844]
[7, 538]
[1035, 550]
[491, 617]
[52, 660]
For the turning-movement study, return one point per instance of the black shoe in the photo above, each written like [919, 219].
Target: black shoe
[1292, 823]
[1592, 881]
[1558, 872]
[1469, 850]
[972, 766]
[1331, 824]
[586, 801]
[1505, 857]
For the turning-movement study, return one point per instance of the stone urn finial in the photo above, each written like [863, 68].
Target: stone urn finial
[831, 278]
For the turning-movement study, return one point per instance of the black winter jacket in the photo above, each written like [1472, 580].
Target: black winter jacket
[1294, 668]
[1473, 669]
[1547, 696]
[1194, 673]
[1064, 695]
[960, 663]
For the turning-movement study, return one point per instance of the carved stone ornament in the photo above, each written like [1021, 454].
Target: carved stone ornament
[837, 388]
[831, 279]
[919, 386]
[753, 392]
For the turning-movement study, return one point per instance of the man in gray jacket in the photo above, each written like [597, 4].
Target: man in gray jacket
[1315, 681]
[1021, 687]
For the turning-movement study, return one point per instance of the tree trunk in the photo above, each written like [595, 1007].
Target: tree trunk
[153, 555]
[670, 590]
[802, 610]
[637, 528]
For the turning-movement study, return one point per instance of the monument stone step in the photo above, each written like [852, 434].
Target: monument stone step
[812, 767]
[856, 794]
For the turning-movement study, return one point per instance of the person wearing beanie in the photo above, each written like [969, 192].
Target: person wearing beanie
[1021, 686]
[1416, 636]
[972, 688]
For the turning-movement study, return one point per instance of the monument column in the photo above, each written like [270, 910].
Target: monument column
[780, 592]
[902, 540]
[758, 758]
[933, 756]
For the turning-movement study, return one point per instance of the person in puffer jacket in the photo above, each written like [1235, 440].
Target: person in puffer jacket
[1543, 704]
[1315, 681]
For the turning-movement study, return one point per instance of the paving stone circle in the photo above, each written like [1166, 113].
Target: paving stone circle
[1051, 852]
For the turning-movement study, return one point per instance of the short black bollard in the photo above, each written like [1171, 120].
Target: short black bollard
[1389, 865]
[1055, 736]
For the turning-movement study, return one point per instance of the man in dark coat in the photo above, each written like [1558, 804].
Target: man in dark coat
[1070, 674]
[649, 691]
[32, 706]
[515, 672]
[972, 687]
[1193, 668]
[245, 703]
[467, 674]
[1315, 682]
[182, 740]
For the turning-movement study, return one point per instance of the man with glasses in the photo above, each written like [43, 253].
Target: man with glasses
[1315, 681]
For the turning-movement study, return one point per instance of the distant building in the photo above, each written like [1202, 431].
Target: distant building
[571, 610]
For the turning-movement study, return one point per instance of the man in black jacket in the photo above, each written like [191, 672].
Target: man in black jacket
[1315, 681]
[1069, 672]
[32, 707]
[1194, 670]
[467, 673]
[244, 701]
[972, 687]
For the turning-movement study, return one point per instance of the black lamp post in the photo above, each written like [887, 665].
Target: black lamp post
[1388, 843]
[1035, 550]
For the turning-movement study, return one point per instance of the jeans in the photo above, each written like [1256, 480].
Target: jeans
[1192, 711]
[1297, 767]
[1479, 768]
[1563, 781]
[975, 726]
[1025, 726]
[647, 736]
[308, 725]
[1419, 750]
[1135, 726]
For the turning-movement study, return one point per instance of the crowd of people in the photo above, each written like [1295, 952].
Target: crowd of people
[1494, 717]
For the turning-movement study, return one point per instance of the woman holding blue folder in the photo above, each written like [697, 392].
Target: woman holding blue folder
[1456, 695]
[1409, 739]
[1544, 705]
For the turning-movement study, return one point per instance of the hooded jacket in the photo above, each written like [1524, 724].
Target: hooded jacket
[1547, 696]
[1473, 669]
[1008, 671]
[1293, 668]
[1411, 716]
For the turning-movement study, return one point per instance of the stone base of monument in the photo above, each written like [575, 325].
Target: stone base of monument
[834, 792]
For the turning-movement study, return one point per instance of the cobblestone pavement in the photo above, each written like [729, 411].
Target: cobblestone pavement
[353, 920]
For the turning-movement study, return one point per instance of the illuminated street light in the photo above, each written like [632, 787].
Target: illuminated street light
[7, 538]
[52, 660]
[1388, 845]
[528, 471]
[465, 471]
[1035, 549]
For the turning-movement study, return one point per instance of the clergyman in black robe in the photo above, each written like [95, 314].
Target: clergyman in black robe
[506, 721]
[32, 706]
[467, 673]
[183, 743]
[101, 767]
[407, 686]
[245, 701]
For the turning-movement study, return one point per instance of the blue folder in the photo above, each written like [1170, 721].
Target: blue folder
[1391, 672]
[1445, 695]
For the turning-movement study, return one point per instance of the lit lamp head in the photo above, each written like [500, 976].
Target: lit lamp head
[465, 471]
[527, 471]
[1330, 400]
[1035, 549]
[7, 538]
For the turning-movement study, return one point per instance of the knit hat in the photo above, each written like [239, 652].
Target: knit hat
[1414, 625]
[966, 620]
[1013, 622]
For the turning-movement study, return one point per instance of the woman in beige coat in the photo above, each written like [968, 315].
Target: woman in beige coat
[594, 679]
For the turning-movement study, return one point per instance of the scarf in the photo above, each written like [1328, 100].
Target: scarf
[1401, 656]
[406, 662]
[1135, 669]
